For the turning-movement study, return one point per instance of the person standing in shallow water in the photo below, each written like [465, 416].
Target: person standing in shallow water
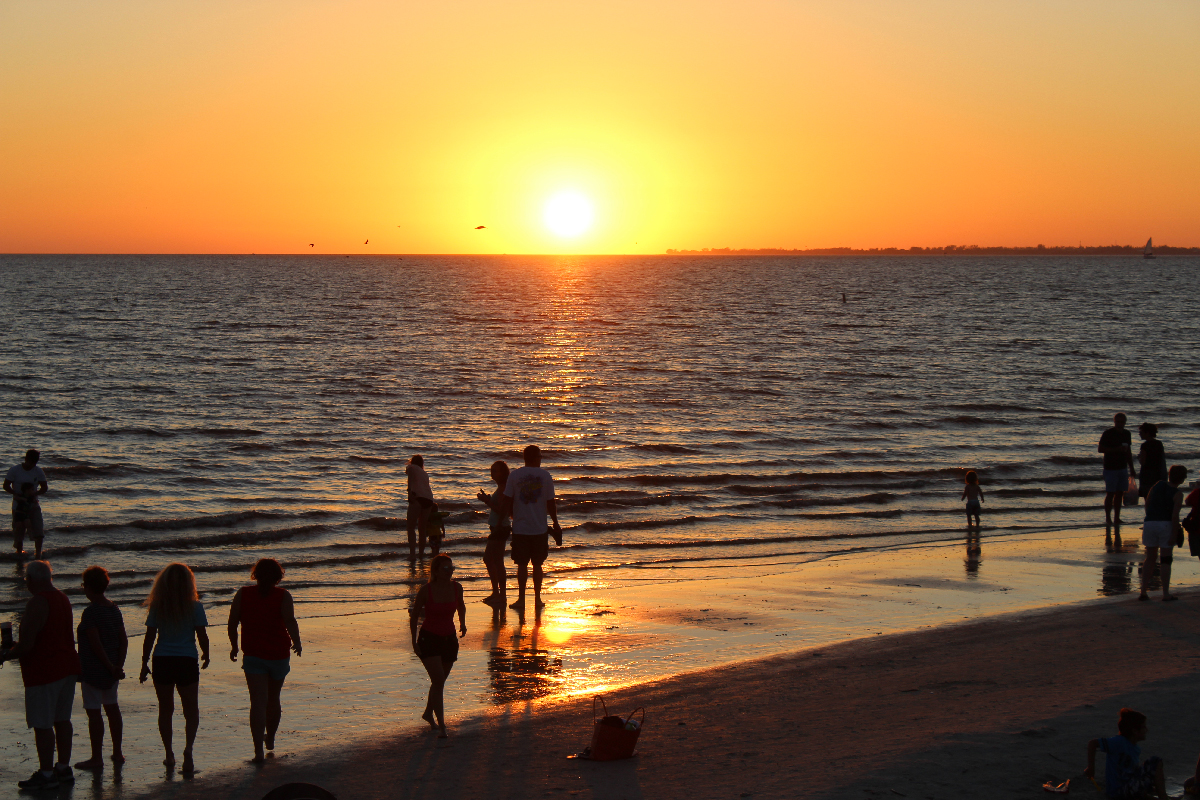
[1116, 446]
[973, 494]
[529, 497]
[1152, 456]
[27, 510]
[267, 616]
[420, 505]
[500, 528]
[435, 644]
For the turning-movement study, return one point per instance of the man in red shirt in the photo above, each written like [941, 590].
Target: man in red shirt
[50, 668]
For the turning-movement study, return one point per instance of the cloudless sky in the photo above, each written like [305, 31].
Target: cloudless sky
[243, 126]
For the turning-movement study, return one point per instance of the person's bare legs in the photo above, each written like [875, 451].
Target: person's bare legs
[438, 671]
[257, 686]
[116, 731]
[43, 739]
[1112, 507]
[1148, 570]
[522, 579]
[37, 548]
[1160, 782]
[19, 537]
[1164, 573]
[274, 711]
[189, 699]
[64, 732]
[537, 586]
[498, 577]
[166, 709]
[96, 734]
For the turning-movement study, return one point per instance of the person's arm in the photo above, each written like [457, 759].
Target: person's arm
[147, 651]
[8, 486]
[202, 638]
[1090, 771]
[1129, 458]
[43, 487]
[462, 612]
[414, 615]
[552, 510]
[37, 611]
[964, 494]
[235, 617]
[981, 494]
[287, 609]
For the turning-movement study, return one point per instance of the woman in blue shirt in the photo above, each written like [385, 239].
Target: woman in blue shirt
[175, 623]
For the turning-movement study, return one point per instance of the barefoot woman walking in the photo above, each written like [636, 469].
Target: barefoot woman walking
[175, 623]
[269, 629]
[436, 645]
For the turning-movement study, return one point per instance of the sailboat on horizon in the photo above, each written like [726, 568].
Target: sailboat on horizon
[1149, 251]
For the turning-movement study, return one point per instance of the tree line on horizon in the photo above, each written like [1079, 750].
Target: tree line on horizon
[971, 249]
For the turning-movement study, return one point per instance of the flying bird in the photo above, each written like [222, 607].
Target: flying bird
[311, 245]
[480, 227]
[368, 241]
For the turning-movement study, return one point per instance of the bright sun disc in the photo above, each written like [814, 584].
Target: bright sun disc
[568, 214]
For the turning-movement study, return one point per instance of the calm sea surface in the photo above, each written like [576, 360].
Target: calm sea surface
[697, 411]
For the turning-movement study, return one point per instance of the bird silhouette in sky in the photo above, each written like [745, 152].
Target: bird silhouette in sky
[368, 241]
[480, 227]
[312, 245]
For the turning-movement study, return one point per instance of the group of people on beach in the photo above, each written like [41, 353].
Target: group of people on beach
[54, 657]
[176, 647]
[1158, 485]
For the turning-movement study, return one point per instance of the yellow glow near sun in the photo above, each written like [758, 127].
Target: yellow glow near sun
[568, 214]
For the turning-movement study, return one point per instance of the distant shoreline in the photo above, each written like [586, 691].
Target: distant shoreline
[969, 250]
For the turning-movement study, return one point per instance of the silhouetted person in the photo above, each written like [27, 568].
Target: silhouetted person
[103, 646]
[1125, 775]
[435, 644]
[1161, 530]
[27, 511]
[1115, 444]
[1152, 457]
[420, 505]
[49, 669]
[500, 528]
[529, 497]
[973, 494]
[267, 616]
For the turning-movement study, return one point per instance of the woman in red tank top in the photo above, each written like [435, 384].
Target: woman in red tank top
[435, 644]
[269, 630]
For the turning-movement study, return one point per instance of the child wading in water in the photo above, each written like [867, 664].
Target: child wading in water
[1126, 777]
[974, 497]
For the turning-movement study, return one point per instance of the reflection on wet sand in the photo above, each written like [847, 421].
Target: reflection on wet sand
[1116, 575]
[520, 670]
[974, 552]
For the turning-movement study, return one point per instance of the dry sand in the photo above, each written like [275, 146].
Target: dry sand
[983, 709]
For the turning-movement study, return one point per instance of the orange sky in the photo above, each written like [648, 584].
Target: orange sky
[164, 126]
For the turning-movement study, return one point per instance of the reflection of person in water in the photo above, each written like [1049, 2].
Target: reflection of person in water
[435, 644]
[974, 550]
[522, 671]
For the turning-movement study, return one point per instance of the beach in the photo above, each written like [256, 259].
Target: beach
[763, 659]
[988, 708]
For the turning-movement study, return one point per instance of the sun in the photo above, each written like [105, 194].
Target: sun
[568, 214]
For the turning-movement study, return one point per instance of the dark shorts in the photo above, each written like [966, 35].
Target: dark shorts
[175, 670]
[31, 519]
[497, 539]
[530, 548]
[433, 645]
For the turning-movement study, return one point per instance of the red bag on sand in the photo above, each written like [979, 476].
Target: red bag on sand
[612, 736]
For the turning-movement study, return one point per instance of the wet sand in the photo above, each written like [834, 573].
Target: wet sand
[358, 683]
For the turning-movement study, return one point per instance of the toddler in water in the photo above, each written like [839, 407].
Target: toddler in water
[974, 497]
[437, 528]
[1126, 777]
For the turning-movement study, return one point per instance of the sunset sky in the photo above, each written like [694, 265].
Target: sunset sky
[248, 126]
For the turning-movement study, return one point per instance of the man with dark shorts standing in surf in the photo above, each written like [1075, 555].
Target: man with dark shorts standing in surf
[1116, 444]
[27, 511]
[529, 497]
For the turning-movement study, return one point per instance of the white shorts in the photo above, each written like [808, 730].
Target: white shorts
[1158, 533]
[95, 698]
[50, 702]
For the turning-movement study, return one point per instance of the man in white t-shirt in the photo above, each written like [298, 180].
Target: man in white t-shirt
[529, 496]
[25, 481]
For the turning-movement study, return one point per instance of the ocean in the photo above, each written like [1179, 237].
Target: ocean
[694, 411]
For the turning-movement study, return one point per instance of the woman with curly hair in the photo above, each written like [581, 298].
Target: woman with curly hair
[175, 623]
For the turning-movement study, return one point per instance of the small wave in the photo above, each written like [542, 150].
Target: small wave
[226, 520]
[969, 420]
[197, 542]
[83, 472]
[1073, 459]
[648, 524]
[876, 498]
[220, 432]
[665, 448]
[151, 432]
